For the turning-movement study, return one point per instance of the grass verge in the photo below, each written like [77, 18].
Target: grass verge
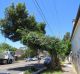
[30, 70]
[52, 72]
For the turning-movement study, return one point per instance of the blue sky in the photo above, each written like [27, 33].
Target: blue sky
[59, 14]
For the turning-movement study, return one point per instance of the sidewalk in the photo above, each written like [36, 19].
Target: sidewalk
[68, 69]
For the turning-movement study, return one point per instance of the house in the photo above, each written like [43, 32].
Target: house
[18, 54]
[75, 42]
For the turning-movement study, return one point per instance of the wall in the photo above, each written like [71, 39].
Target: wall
[76, 47]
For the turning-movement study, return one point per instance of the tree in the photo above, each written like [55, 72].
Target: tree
[29, 53]
[66, 36]
[18, 22]
[66, 45]
[6, 47]
[18, 25]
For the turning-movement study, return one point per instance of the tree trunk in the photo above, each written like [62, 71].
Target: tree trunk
[55, 63]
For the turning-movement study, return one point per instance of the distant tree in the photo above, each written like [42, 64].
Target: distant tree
[66, 36]
[30, 53]
[66, 44]
[6, 47]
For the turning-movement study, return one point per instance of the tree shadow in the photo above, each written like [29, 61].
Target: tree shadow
[37, 66]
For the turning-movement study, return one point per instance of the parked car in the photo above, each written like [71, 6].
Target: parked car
[6, 57]
[29, 59]
[47, 60]
[34, 58]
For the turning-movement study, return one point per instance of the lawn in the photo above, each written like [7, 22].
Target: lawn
[52, 72]
[46, 72]
[30, 70]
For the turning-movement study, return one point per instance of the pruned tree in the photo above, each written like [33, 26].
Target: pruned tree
[18, 25]
[18, 22]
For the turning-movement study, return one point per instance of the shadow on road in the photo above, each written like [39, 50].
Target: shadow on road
[20, 68]
[26, 67]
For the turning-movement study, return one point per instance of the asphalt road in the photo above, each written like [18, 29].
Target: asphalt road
[15, 68]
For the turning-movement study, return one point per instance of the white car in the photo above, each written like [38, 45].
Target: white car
[6, 57]
[34, 59]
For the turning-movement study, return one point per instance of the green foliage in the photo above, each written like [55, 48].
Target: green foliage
[52, 72]
[66, 45]
[50, 44]
[40, 41]
[41, 27]
[18, 22]
[18, 25]
[29, 53]
[66, 36]
[7, 47]
[33, 40]
[27, 72]
[30, 70]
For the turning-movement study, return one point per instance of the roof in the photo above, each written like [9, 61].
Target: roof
[19, 52]
[76, 20]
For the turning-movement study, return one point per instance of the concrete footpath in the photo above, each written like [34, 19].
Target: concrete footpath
[68, 69]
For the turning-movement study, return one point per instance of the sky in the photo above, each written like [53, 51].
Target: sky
[58, 13]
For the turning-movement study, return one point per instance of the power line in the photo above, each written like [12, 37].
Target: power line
[55, 7]
[38, 10]
[56, 12]
[41, 13]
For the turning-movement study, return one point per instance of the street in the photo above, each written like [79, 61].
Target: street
[15, 68]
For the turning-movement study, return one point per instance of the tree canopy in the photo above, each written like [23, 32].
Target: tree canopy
[19, 25]
[18, 22]
[67, 36]
[6, 47]
[66, 45]
[29, 53]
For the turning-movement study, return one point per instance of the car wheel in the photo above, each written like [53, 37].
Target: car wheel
[10, 61]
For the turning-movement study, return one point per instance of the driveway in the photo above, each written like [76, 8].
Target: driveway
[15, 68]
